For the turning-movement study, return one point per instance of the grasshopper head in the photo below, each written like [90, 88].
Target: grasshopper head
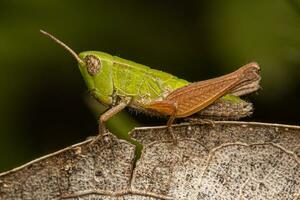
[95, 68]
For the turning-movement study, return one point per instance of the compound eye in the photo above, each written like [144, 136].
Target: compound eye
[93, 64]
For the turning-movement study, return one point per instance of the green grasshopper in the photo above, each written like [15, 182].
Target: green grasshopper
[120, 83]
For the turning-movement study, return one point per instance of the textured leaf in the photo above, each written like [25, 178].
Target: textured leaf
[230, 160]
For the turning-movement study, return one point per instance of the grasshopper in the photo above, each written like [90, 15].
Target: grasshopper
[120, 83]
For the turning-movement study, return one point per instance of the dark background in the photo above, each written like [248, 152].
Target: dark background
[44, 105]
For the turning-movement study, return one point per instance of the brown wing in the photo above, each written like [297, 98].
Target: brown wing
[249, 85]
[196, 96]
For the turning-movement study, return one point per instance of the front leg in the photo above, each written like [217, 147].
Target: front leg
[110, 113]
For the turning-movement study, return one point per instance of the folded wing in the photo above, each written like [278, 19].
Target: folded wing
[196, 96]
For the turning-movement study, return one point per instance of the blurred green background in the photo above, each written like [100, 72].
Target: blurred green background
[44, 104]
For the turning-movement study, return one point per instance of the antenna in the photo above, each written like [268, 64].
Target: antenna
[74, 54]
